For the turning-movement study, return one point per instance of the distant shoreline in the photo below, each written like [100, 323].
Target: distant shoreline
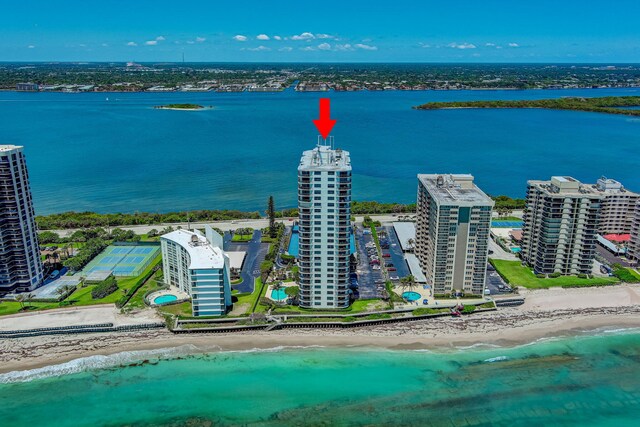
[183, 107]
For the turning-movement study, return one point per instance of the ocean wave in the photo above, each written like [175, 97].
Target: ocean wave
[496, 359]
[274, 349]
[96, 362]
[478, 345]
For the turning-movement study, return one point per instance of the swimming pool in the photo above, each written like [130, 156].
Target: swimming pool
[278, 294]
[165, 299]
[411, 296]
[515, 249]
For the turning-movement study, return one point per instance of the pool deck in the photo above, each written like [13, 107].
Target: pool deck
[284, 285]
[181, 296]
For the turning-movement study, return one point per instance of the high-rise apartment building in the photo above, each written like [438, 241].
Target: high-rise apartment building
[633, 250]
[617, 207]
[452, 233]
[20, 266]
[196, 264]
[560, 225]
[324, 203]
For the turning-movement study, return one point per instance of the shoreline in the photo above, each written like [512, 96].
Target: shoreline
[509, 327]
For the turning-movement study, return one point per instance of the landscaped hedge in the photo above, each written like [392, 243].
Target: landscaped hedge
[104, 288]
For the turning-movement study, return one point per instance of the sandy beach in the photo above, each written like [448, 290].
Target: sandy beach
[546, 313]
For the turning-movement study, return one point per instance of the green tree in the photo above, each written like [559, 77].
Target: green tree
[271, 213]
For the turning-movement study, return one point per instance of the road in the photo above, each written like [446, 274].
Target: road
[257, 224]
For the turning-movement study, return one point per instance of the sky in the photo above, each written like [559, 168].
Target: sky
[592, 31]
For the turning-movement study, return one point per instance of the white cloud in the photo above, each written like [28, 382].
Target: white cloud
[277, 38]
[240, 38]
[324, 36]
[514, 45]
[346, 46]
[160, 38]
[308, 48]
[257, 49]
[31, 46]
[151, 42]
[190, 42]
[132, 44]
[365, 46]
[262, 37]
[285, 49]
[324, 46]
[303, 36]
[489, 44]
[105, 45]
[200, 39]
[82, 45]
[424, 45]
[461, 45]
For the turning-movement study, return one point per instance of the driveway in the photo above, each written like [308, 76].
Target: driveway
[255, 254]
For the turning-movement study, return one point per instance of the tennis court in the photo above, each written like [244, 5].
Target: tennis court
[123, 260]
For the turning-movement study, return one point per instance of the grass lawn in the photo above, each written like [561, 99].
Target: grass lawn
[137, 300]
[506, 218]
[13, 307]
[182, 309]
[241, 237]
[516, 274]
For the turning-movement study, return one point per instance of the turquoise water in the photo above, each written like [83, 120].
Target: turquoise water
[87, 153]
[278, 294]
[165, 299]
[411, 296]
[576, 381]
[516, 249]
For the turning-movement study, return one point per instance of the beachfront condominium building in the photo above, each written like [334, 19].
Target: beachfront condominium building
[20, 267]
[617, 207]
[324, 203]
[196, 264]
[633, 250]
[452, 233]
[560, 226]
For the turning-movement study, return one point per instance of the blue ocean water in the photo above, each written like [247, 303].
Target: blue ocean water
[585, 380]
[112, 152]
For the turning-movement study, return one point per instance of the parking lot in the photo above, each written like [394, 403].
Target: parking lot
[396, 255]
[370, 280]
[494, 282]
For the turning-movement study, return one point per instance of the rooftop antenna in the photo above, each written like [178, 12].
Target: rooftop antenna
[183, 57]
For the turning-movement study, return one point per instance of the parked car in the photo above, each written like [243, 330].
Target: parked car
[394, 278]
[389, 264]
[391, 269]
[385, 255]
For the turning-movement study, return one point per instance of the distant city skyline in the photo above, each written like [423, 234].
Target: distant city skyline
[285, 31]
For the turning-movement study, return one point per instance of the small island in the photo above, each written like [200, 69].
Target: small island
[607, 104]
[188, 107]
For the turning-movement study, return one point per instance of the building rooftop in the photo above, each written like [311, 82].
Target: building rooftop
[5, 148]
[201, 252]
[565, 185]
[324, 157]
[610, 186]
[457, 189]
[405, 231]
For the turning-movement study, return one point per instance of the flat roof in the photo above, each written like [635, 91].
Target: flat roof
[405, 230]
[4, 148]
[414, 267]
[566, 186]
[323, 157]
[236, 259]
[455, 189]
[201, 252]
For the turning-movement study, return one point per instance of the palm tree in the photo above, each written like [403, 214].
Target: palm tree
[408, 283]
[21, 298]
[64, 291]
[411, 243]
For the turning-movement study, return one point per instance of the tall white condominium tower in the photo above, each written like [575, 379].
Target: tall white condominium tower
[20, 266]
[633, 251]
[196, 264]
[616, 214]
[324, 203]
[560, 225]
[452, 233]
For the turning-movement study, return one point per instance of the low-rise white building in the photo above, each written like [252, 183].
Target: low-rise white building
[197, 265]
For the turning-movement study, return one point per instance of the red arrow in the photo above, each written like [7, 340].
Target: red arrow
[324, 123]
